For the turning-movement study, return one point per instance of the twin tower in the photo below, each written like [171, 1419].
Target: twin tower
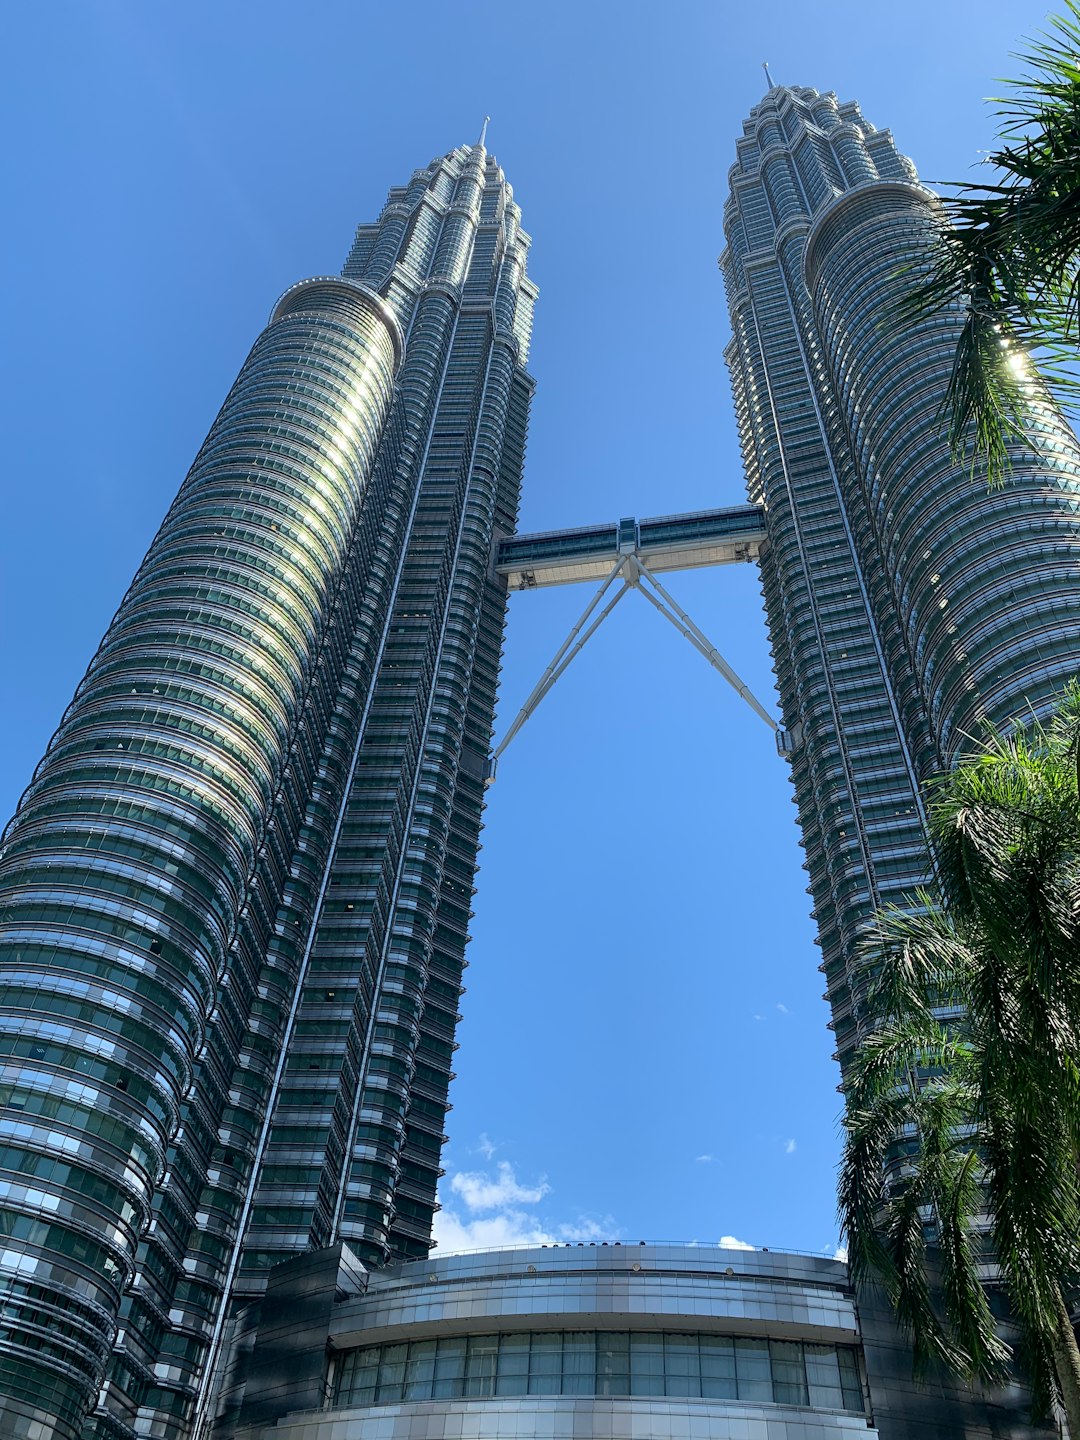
[236, 892]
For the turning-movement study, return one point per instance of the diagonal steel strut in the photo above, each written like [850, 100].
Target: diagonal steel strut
[566, 652]
[685, 626]
[633, 573]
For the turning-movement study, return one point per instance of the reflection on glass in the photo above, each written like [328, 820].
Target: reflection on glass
[604, 1362]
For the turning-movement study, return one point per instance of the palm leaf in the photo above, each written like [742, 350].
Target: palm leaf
[1007, 262]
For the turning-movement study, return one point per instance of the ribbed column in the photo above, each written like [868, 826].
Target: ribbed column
[861, 850]
[851, 151]
[128, 868]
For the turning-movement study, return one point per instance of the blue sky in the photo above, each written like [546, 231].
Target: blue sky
[644, 1052]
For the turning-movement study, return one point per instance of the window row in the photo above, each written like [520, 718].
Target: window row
[590, 1362]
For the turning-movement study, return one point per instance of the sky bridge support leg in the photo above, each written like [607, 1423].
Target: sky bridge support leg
[571, 646]
[635, 576]
[673, 611]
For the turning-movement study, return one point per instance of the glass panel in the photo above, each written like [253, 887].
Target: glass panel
[343, 1377]
[391, 1374]
[356, 1377]
[752, 1369]
[545, 1364]
[646, 1364]
[480, 1364]
[449, 1369]
[851, 1380]
[823, 1377]
[579, 1363]
[681, 1366]
[612, 1363]
[789, 1376]
[513, 1378]
[586, 1362]
[420, 1370]
[717, 1359]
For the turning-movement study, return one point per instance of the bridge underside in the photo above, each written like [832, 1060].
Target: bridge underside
[666, 542]
[629, 553]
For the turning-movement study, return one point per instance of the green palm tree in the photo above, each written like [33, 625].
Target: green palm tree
[959, 1175]
[1010, 257]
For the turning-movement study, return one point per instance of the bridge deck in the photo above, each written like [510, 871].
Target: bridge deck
[666, 542]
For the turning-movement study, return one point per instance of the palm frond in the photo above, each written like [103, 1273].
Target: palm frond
[1007, 263]
[965, 1300]
[910, 1288]
[963, 1102]
[914, 960]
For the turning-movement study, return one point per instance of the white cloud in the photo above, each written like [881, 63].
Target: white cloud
[728, 1242]
[488, 1232]
[452, 1232]
[704, 1159]
[492, 1212]
[586, 1229]
[840, 1253]
[480, 1191]
[484, 1146]
[789, 1147]
[782, 1008]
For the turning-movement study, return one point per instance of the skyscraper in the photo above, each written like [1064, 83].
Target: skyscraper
[907, 607]
[235, 894]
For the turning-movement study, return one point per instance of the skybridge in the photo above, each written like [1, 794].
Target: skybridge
[627, 555]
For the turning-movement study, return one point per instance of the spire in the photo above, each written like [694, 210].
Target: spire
[483, 132]
[768, 77]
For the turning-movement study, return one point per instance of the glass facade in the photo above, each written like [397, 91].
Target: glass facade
[602, 1362]
[234, 899]
[907, 605]
[235, 896]
[684, 1342]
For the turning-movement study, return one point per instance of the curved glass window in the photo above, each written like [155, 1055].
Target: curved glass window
[603, 1362]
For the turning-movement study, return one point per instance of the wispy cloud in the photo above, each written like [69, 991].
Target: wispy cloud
[704, 1159]
[782, 1008]
[487, 1232]
[729, 1242]
[490, 1209]
[790, 1147]
[484, 1147]
[480, 1191]
[840, 1253]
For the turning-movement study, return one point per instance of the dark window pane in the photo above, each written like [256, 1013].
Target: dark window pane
[753, 1370]
[789, 1375]
[612, 1363]
[545, 1363]
[851, 1380]
[579, 1363]
[480, 1364]
[420, 1370]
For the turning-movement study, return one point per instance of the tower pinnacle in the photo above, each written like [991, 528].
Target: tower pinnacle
[483, 131]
